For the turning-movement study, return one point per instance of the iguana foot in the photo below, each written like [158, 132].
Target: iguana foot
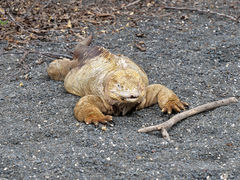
[166, 99]
[96, 119]
[90, 109]
[172, 103]
[91, 115]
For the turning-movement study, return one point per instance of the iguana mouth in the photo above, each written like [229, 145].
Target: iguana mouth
[126, 96]
[131, 98]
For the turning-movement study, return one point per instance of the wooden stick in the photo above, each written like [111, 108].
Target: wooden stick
[48, 54]
[11, 18]
[163, 127]
[54, 55]
[202, 11]
[131, 4]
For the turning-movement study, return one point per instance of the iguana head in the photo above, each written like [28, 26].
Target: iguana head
[124, 86]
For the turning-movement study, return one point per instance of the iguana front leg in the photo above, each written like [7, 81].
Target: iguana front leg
[166, 99]
[90, 109]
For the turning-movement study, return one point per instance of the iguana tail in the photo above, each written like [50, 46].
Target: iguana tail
[82, 47]
[59, 68]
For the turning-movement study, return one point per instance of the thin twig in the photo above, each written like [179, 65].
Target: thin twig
[43, 7]
[163, 15]
[163, 127]
[5, 53]
[23, 57]
[133, 3]
[140, 47]
[30, 9]
[11, 18]
[48, 54]
[202, 11]
[54, 55]
[50, 1]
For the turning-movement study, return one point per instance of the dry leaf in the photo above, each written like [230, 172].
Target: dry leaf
[140, 46]
[141, 35]
[139, 157]
[2, 10]
[149, 4]
[102, 31]
[21, 84]
[103, 15]
[69, 24]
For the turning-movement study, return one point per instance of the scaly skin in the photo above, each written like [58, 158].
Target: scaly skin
[109, 84]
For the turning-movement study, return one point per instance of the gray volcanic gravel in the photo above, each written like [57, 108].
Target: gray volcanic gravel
[197, 57]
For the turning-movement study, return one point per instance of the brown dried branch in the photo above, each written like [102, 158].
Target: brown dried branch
[22, 61]
[163, 127]
[23, 57]
[53, 55]
[24, 29]
[104, 15]
[133, 3]
[30, 9]
[48, 54]
[49, 2]
[140, 46]
[11, 18]
[202, 11]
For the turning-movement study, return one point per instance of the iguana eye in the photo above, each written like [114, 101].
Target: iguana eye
[119, 86]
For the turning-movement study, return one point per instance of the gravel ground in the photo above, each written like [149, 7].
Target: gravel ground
[195, 54]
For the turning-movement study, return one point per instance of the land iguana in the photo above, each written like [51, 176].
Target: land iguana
[109, 84]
